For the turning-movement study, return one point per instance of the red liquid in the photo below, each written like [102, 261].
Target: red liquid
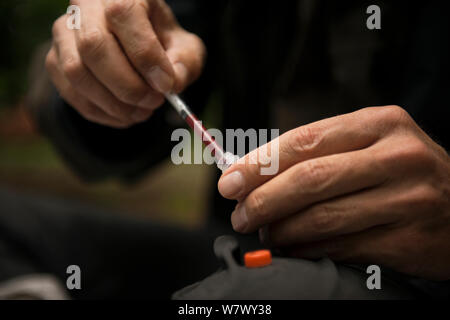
[199, 129]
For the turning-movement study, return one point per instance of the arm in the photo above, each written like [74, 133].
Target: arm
[86, 130]
[364, 187]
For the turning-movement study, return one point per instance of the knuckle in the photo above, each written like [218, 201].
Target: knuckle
[419, 150]
[152, 42]
[145, 53]
[56, 27]
[256, 207]
[199, 43]
[395, 110]
[50, 61]
[323, 220]
[315, 174]
[304, 139]
[427, 198]
[91, 42]
[433, 197]
[410, 154]
[118, 9]
[131, 95]
[199, 57]
[394, 116]
[388, 118]
[74, 70]
[414, 153]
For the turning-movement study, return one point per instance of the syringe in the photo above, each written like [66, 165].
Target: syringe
[223, 159]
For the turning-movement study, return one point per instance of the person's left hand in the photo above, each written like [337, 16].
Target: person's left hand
[368, 186]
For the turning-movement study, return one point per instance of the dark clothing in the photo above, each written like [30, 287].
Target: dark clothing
[273, 65]
[287, 279]
[123, 258]
[118, 257]
[280, 66]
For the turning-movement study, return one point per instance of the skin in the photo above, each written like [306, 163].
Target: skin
[368, 186]
[364, 187]
[114, 70]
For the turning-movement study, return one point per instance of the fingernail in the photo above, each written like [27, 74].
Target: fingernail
[160, 80]
[239, 218]
[231, 184]
[140, 115]
[151, 101]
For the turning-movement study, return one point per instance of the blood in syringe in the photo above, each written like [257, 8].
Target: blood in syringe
[200, 130]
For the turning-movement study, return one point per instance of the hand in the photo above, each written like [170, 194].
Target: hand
[114, 70]
[368, 186]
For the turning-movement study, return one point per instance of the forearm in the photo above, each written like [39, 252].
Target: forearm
[96, 152]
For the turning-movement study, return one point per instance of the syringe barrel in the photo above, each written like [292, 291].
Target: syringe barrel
[222, 159]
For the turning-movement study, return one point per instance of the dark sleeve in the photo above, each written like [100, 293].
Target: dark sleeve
[97, 152]
[425, 87]
[411, 65]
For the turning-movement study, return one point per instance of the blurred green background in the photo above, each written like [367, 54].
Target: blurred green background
[24, 25]
[28, 163]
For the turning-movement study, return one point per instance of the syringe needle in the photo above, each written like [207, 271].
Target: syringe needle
[223, 160]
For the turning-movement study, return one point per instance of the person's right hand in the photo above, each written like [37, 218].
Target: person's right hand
[114, 70]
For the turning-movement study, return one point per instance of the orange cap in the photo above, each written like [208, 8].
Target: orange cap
[259, 258]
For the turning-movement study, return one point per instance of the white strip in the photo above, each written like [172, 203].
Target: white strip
[176, 102]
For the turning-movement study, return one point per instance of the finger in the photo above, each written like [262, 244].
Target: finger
[129, 21]
[162, 18]
[339, 134]
[187, 54]
[339, 216]
[359, 247]
[185, 50]
[399, 247]
[307, 183]
[375, 245]
[103, 56]
[87, 109]
[83, 80]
